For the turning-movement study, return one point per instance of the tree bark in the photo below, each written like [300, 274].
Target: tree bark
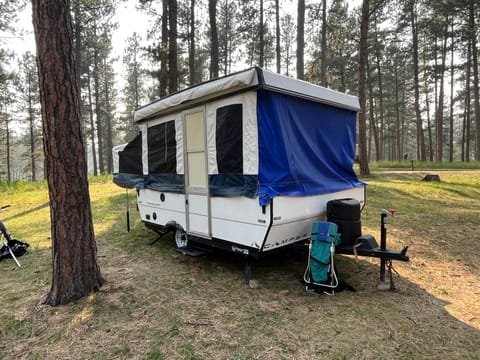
[416, 85]
[452, 72]
[31, 124]
[373, 124]
[468, 101]
[381, 116]
[323, 70]
[98, 111]
[441, 96]
[92, 123]
[277, 37]
[362, 77]
[172, 47]
[212, 12]
[7, 142]
[191, 55]
[74, 253]
[300, 39]
[108, 117]
[261, 37]
[163, 74]
[476, 94]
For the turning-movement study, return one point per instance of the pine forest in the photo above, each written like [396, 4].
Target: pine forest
[413, 63]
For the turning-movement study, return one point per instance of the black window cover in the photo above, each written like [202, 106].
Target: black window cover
[162, 147]
[229, 139]
[130, 158]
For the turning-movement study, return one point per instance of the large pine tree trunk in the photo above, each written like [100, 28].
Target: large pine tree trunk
[75, 269]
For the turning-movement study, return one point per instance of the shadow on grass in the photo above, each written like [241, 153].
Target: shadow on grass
[407, 323]
[27, 212]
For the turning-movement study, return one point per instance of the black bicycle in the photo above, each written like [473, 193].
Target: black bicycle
[11, 248]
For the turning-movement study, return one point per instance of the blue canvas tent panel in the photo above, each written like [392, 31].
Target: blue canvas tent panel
[305, 148]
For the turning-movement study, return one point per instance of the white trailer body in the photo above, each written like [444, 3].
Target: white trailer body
[245, 163]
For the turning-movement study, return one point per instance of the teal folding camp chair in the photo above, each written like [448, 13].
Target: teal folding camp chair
[320, 273]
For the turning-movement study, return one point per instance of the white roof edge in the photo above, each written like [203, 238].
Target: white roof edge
[205, 90]
[245, 79]
[319, 93]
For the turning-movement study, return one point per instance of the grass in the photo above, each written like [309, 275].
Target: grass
[158, 304]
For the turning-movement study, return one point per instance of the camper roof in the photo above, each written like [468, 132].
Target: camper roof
[253, 78]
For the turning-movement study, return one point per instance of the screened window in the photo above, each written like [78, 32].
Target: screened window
[162, 147]
[131, 157]
[229, 139]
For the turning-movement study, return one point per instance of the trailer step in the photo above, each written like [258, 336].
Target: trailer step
[192, 251]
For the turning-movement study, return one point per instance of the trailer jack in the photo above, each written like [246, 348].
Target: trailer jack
[366, 245]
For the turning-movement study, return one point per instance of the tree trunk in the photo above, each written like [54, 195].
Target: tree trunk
[476, 94]
[381, 116]
[98, 111]
[396, 153]
[7, 139]
[427, 106]
[323, 69]
[373, 124]
[439, 112]
[163, 74]
[300, 39]
[191, 55]
[212, 12]
[277, 37]
[108, 118]
[172, 47]
[92, 123]
[452, 72]
[74, 252]
[31, 123]
[261, 37]
[429, 127]
[468, 101]
[362, 77]
[416, 85]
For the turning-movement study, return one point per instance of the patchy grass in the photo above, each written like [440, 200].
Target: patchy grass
[158, 304]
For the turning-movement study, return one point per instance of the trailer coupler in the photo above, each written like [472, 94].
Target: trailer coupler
[367, 245]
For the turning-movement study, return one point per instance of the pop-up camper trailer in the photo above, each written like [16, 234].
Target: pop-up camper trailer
[246, 162]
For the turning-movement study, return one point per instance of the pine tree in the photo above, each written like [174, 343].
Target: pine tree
[74, 253]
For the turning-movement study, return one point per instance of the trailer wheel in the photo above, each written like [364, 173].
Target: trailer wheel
[181, 239]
